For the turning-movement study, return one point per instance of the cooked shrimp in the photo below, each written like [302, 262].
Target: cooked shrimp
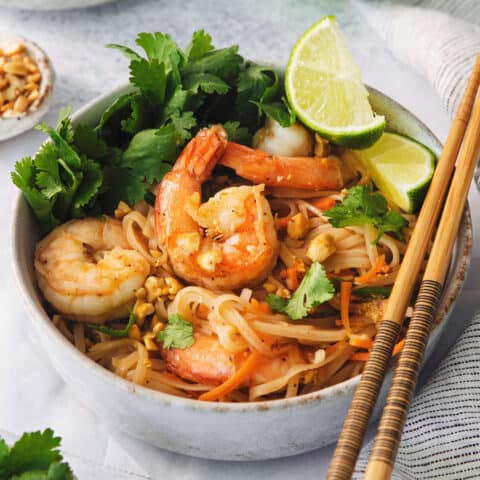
[319, 173]
[87, 271]
[227, 243]
[208, 362]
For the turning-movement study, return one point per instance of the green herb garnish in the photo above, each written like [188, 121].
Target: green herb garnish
[115, 332]
[34, 456]
[85, 170]
[362, 206]
[177, 334]
[314, 290]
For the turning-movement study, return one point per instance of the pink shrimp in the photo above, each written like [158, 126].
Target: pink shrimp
[313, 173]
[208, 362]
[227, 243]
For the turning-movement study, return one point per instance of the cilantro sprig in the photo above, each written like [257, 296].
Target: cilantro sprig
[177, 334]
[34, 456]
[86, 170]
[362, 206]
[314, 289]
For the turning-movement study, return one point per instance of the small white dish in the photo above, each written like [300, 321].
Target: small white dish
[12, 126]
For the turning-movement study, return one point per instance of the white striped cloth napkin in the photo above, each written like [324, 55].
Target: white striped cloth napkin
[441, 439]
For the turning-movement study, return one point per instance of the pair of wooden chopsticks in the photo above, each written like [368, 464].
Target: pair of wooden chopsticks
[466, 129]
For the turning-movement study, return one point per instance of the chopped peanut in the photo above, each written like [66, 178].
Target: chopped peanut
[174, 286]
[134, 333]
[158, 327]
[321, 247]
[298, 226]
[149, 341]
[141, 310]
[155, 287]
[141, 293]
[121, 210]
[269, 287]
[21, 104]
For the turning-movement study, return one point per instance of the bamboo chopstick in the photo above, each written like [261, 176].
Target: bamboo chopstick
[358, 416]
[401, 391]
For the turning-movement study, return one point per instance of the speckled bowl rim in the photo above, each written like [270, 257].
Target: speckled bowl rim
[40, 316]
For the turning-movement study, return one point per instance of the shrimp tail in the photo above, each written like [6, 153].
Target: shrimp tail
[201, 154]
[320, 173]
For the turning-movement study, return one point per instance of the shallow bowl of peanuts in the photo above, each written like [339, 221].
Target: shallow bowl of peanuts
[26, 83]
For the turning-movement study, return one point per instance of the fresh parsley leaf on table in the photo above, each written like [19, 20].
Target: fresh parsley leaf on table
[34, 456]
[177, 334]
[362, 206]
[314, 289]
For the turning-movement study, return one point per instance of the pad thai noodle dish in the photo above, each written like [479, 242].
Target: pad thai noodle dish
[206, 238]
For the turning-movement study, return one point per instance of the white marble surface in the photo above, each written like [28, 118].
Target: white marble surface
[32, 395]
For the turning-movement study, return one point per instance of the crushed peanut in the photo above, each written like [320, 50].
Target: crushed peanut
[134, 333]
[321, 247]
[298, 226]
[19, 81]
[141, 310]
[121, 210]
[149, 341]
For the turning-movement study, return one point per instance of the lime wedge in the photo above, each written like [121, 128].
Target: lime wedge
[324, 87]
[401, 169]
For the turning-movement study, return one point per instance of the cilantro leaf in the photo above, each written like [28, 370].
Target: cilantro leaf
[177, 334]
[123, 184]
[32, 452]
[183, 124]
[150, 78]
[151, 152]
[59, 471]
[115, 332]
[206, 82]
[87, 141]
[236, 133]
[314, 290]
[278, 111]
[160, 47]
[128, 52]
[362, 206]
[199, 45]
[224, 63]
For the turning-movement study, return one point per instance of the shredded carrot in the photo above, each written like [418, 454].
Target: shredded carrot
[359, 343]
[292, 279]
[360, 356]
[353, 323]
[324, 203]
[242, 374]
[283, 222]
[203, 310]
[380, 266]
[262, 307]
[345, 294]
[332, 349]
[398, 347]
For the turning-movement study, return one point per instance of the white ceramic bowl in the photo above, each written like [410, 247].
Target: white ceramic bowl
[251, 431]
